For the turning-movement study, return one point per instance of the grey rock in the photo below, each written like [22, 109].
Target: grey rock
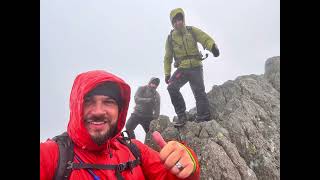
[272, 71]
[242, 141]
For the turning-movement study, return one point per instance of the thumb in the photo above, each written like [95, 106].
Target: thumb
[158, 139]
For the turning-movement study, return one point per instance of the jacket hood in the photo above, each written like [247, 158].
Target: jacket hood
[174, 12]
[84, 83]
[156, 81]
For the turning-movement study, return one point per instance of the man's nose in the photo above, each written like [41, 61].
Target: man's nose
[98, 109]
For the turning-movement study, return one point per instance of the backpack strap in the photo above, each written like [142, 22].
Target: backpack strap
[125, 140]
[189, 28]
[177, 61]
[117, 167]
[66, 156]
[120, 167]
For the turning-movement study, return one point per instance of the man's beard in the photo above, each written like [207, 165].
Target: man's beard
[102, 138]
[98, 137]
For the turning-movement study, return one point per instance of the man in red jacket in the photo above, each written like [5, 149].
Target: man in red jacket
[98, 107]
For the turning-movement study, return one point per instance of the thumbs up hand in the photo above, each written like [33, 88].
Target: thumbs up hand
[175, 156]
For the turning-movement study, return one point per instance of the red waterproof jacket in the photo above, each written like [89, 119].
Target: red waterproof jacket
[151, 166]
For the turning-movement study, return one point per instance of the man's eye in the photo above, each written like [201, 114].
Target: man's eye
[87, 100]
[110, 101]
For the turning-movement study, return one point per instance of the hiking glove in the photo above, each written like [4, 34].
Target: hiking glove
[215, 50]
[167, 79]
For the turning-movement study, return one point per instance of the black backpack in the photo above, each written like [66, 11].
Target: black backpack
[66, 156]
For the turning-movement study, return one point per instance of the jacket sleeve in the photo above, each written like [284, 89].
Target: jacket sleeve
[49, 152]
[167, 58]
[157, 106]
[154, 169]
[203, 38]
[196, 173]
[138, 97]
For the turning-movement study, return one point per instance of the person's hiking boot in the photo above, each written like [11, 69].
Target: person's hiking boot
[202, 119]
[180, 121]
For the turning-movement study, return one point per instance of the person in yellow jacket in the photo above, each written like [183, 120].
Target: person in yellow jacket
[181, 45]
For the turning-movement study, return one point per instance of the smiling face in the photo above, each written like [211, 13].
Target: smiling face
[100, 114]
[153, 85]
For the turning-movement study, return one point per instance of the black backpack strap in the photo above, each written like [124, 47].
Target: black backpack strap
[66, 155]
[177, 61]
[117, 167]
[133, 147]
[189, 28]
[120, 167]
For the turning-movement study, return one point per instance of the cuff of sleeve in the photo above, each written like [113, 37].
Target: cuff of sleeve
[192, 158]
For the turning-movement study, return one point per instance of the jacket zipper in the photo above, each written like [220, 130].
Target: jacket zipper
[186, 50]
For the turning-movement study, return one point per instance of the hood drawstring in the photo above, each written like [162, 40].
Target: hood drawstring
[108, 149]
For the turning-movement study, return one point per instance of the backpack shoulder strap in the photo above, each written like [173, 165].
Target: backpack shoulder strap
[189, 28]
[133, 147]
[66, 155]
[170, 37]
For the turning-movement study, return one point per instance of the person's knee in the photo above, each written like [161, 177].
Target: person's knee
[198, 89]
[200, 94]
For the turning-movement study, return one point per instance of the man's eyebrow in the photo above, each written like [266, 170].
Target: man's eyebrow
[110, 98]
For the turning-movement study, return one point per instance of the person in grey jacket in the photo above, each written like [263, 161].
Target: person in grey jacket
[147, 107]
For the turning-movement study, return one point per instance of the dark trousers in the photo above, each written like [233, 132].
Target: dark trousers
[134, 120]
[195, 78]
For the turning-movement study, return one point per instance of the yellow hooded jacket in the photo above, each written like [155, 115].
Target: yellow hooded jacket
[184, 45]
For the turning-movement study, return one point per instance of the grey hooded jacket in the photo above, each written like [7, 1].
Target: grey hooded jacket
[147, 102]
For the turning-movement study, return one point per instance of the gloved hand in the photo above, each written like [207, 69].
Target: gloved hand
[175, 157]
[167, 78]
[215, 50]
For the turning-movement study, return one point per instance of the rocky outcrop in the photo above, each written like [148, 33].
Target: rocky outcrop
[272, 72]
[242, 141]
